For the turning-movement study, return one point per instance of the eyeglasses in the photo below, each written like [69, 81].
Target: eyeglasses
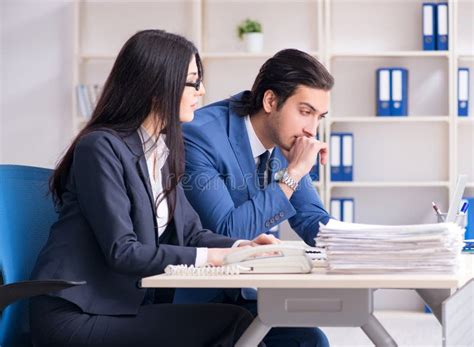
[196, 85]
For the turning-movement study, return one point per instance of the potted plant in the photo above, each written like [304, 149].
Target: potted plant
[250, 31]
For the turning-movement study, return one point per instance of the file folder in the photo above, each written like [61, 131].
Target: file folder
[335, 157]
[348, 210]
[429, 26]
[314, 172]
[81, 102]
[383, 92]
[342, 209]
[463, 92]
[336, 209]
[347, 156]
[442, 39]
[399, 102]
[469, 235]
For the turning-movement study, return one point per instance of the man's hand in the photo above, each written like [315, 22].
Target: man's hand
[302, 156]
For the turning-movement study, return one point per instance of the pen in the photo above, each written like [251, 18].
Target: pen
[464, 207]
[438, 212]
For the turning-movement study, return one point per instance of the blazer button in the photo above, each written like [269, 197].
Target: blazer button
[277, 217]
[281, 214]
[272, 220]
[267, 224]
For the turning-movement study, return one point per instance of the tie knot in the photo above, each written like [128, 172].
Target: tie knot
[264, 156]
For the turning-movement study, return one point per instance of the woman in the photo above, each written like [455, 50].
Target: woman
[124, 216]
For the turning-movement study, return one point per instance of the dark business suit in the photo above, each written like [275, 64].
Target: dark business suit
[106, 234]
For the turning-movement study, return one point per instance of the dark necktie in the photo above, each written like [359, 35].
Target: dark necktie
[262, 167]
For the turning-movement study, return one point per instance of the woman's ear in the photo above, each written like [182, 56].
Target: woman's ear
[269, 101]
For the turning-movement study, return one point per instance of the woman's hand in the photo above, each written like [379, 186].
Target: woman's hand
[262, 239]
[215, 256]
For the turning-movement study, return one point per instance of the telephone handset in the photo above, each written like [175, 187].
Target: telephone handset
[270, 259]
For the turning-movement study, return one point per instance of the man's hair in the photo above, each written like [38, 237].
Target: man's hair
[283, 74]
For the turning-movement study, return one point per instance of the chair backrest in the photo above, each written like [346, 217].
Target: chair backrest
[26, 215]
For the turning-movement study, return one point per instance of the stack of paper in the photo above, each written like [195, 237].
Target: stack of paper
[360, 248]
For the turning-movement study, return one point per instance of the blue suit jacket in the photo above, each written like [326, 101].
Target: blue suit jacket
[221, 184]
[106, 233]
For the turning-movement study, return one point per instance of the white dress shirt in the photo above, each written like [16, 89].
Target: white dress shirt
[156, 153]
[255, 144]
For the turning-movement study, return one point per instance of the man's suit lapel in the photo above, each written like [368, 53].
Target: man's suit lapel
[240, 143]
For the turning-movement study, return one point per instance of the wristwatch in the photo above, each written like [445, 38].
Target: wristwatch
[284, 177]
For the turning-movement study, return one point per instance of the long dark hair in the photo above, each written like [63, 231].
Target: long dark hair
[148, 77]
[282, 74]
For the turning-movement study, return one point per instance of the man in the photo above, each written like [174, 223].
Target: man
[247, 164]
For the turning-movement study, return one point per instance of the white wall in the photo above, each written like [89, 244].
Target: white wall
[36, 77]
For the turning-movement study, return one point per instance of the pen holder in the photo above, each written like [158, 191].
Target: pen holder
[461, 219]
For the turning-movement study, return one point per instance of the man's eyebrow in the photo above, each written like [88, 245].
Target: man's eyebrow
[310, 106]
[315, 110]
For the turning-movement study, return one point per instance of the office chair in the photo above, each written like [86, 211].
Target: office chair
[26, 215]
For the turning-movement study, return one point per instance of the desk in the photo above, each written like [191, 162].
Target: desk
[318, 299]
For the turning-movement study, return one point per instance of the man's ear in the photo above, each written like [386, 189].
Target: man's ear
[269, 101]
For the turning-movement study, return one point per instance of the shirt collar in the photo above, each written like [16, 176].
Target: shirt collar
[150, 144]
[255, 144]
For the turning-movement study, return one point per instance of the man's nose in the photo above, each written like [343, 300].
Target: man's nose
[312, 128]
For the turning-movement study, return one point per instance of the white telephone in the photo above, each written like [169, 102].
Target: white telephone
[265, 259]
[271, 259]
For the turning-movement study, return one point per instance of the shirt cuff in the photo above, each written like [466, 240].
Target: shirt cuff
[237, 243]
[201, 256]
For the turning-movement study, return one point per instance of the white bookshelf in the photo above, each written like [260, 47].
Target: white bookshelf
[394, 170]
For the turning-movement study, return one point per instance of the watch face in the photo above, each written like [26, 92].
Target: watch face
[279, 175]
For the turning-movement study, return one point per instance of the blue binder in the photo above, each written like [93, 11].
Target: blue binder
[335, 157]
[429, 26]
[347, 146]
[463, 92]
[336, 209]
[383, 91]
[399, 81]
[343, 209]
[442, 39]
[469, 235]
[348, 210]
[314, 172]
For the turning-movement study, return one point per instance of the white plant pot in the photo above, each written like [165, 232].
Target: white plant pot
[253, 42]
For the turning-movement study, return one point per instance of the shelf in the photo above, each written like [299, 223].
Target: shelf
[465, 120]
[415, 54]
[387, 184]
[375, 119]
[241, 55]
[465, 56]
